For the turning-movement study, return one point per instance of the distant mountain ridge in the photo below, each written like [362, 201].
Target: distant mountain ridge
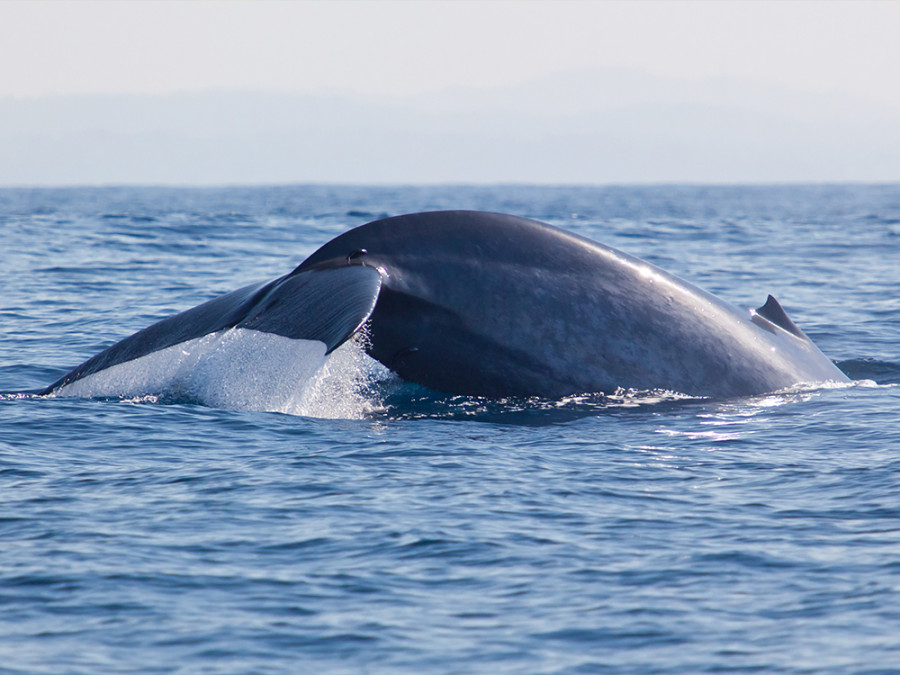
[577, 127]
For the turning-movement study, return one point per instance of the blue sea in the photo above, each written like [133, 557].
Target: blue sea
[385, 528]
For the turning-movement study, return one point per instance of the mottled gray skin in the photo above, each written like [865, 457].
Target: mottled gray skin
[478, 303]
[490, 304]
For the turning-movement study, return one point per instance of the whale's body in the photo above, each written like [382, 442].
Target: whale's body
[479, 303]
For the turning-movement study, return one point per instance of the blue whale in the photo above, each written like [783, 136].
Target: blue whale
[476, 303]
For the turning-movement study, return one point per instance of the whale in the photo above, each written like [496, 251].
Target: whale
[496, 305]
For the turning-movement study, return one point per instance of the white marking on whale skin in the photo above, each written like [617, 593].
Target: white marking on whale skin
[244, 369]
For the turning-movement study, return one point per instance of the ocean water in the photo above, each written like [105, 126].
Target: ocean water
[365, 525]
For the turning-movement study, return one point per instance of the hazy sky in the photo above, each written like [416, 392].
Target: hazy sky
[391, 48]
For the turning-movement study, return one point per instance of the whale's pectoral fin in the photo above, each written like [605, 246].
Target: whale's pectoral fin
[774, 312]
[328, 305]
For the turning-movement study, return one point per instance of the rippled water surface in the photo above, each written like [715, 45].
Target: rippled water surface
[390, 529]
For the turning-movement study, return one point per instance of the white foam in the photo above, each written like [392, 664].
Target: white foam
[243, 369]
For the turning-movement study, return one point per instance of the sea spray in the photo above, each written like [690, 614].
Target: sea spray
[242, 369]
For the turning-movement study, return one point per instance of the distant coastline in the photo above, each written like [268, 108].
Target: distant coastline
[591, 126]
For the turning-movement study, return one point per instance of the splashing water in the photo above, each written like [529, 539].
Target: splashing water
[345, 386]
[243, 369]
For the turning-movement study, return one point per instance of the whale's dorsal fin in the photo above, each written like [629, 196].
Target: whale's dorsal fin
[774, 312]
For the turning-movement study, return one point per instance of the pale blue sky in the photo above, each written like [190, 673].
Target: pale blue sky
[435, 91]
[397, 48]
